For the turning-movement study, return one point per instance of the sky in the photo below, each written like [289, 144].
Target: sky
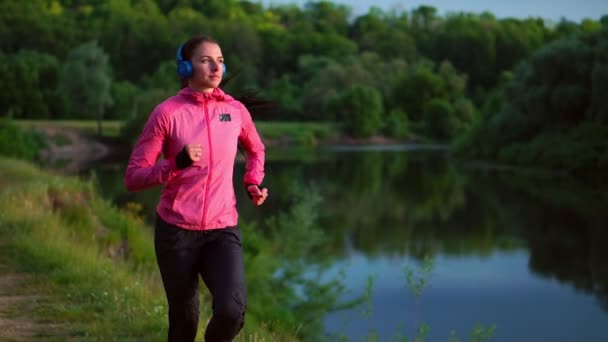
[548, 9]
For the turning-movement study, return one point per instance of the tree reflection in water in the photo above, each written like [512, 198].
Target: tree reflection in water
[410, 204]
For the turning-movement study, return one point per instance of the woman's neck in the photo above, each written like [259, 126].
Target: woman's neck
[201, 90]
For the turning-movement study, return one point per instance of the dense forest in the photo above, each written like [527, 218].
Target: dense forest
[521, 91]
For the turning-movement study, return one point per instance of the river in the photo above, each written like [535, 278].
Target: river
[523, 251]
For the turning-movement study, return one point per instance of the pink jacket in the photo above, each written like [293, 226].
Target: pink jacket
[200, 196]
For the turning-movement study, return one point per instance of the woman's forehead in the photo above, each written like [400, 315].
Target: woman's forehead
[208, 49]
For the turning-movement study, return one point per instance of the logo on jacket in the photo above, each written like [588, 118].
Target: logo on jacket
[225, 117]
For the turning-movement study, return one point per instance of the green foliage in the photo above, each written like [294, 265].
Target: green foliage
[123, 94]
[324, 78]
[299, 133]
[38, 25]
[60, 242]
[598, 109]
[136, 36]
[417, 282]
[416, 88]
[461, 42]
[302, 58]
[440, 119]
[550, 100]
[301, 290]
[285, 94]
[86, 81]
[435, 96]
[19, 143]
[29, 82]
[397, 124]
[328, 17]
[360, 109]
[97, 261]
[574, 149]
[384, 35]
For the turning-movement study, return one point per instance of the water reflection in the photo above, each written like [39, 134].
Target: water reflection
[543, 235]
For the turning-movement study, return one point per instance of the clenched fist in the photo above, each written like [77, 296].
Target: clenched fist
[258, 195]
[194, 151]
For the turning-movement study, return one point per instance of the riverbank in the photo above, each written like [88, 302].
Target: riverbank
[92, 262]
[73, 146]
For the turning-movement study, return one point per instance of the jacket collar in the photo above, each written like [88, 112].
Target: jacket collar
[196, 96]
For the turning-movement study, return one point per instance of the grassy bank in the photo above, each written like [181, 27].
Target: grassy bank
[93, 261]
[302, 133]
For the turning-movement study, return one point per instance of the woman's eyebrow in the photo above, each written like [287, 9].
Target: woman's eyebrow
[207, 56]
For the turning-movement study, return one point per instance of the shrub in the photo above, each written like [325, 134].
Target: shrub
[19, 143]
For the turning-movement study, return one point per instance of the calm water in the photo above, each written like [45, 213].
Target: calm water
[526, 253]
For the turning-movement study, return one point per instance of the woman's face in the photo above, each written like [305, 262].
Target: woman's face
[207, 67]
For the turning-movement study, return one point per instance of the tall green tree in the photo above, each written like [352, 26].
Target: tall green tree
[378, 32]
[360, 109]
[29, 79]
[86, 81]
[552, 109]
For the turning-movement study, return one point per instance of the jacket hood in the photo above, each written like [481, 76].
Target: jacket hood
[196, 96]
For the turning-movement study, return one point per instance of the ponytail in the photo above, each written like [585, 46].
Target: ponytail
[257, 105]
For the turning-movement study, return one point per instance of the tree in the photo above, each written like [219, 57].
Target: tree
[86, 81]
[440, 119]
[598, 109]
[29, 79]
[328, 17]
[418, 86]
[375, 32]
[34, 25]
[360, 109]
[468, 42]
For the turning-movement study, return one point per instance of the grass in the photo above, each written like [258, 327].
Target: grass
[93, 261]
[306, 133]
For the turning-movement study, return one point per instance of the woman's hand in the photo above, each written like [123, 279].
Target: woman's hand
[258, 195]
[194, 151]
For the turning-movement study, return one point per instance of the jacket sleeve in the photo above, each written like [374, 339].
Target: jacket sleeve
[143, 171]
[254, 148]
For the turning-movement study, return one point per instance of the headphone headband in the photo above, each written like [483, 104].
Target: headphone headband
[180, 56]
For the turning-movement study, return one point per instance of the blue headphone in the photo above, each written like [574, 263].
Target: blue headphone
[184, 67]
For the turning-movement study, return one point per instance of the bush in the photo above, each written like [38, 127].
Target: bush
[439, 117]
[19, 143]
[360, 109]
[397, 125]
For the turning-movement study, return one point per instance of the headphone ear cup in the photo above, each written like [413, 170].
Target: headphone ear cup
[184, 69]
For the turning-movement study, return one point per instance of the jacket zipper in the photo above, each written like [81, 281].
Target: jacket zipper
[203, 223]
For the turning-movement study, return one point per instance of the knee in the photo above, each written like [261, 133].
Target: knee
[231, 309]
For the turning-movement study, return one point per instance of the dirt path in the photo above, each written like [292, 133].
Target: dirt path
[69, 151]
[16, 323]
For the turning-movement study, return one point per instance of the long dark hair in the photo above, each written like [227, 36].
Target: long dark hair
[255, 104]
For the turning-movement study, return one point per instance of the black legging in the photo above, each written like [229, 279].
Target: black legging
[216, 255]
